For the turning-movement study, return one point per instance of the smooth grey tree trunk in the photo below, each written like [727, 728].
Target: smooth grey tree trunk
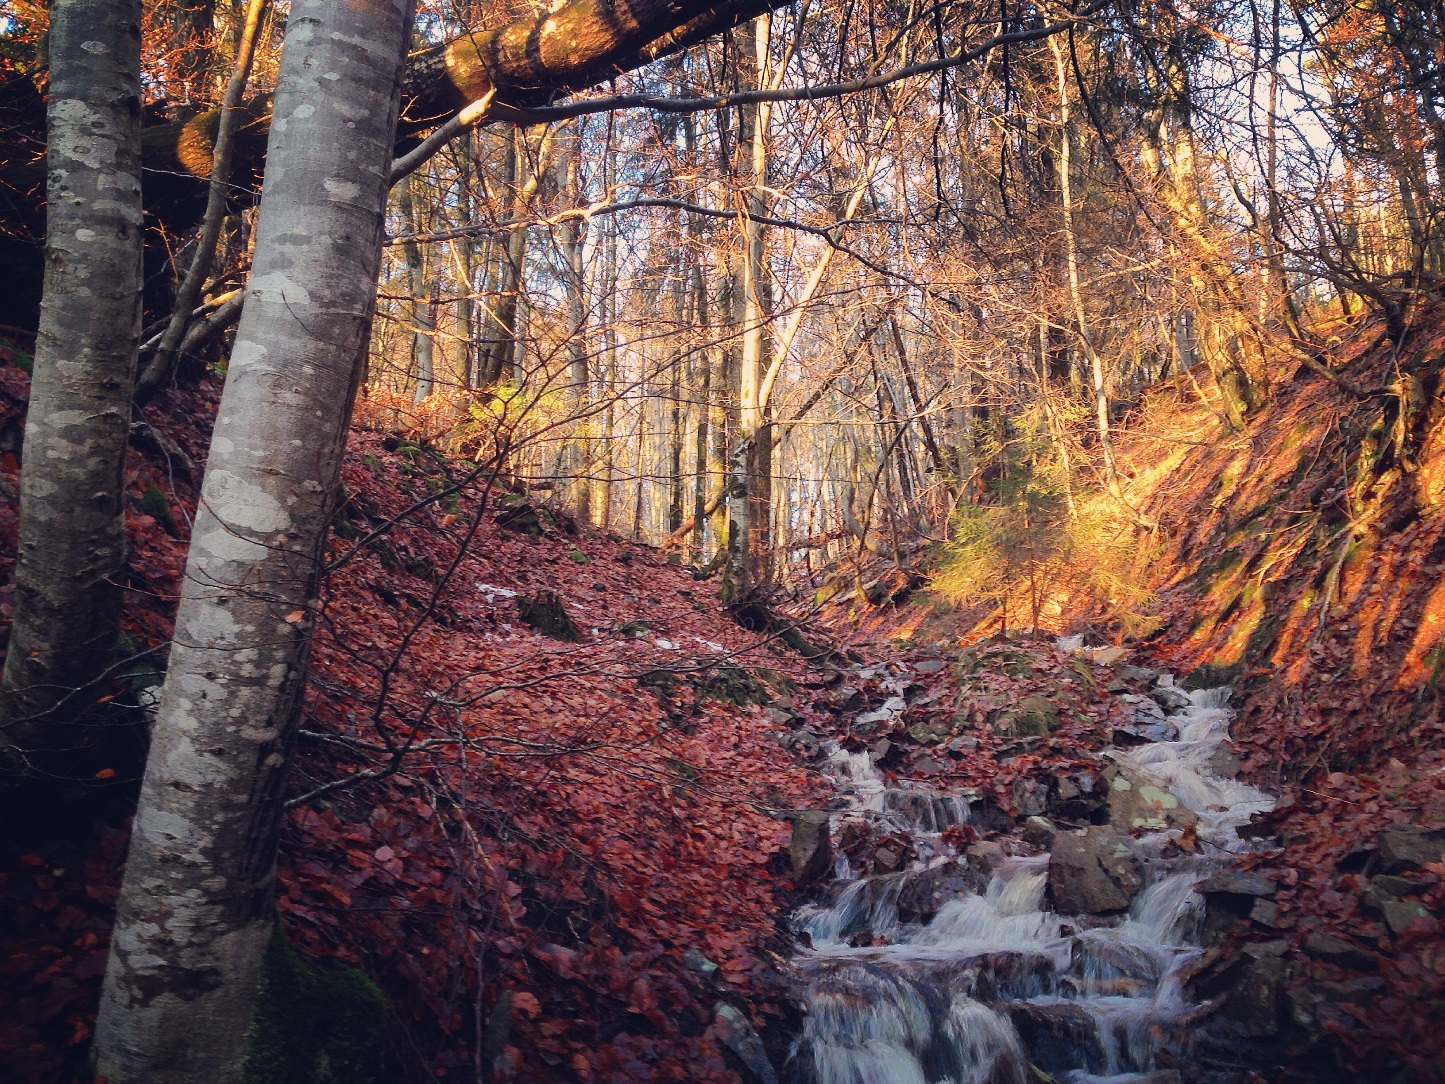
[71, 557]
[196, 907]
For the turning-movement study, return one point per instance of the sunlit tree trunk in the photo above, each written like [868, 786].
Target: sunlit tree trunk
[196, 907]
[423, 308]
[71, 555]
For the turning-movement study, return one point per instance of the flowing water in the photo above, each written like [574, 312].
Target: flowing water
[995, 983]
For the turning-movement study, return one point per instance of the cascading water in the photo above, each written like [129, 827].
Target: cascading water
[995, 983]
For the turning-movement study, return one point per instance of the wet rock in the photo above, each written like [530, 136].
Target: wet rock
[1334, 950]
[1139, 801]
[1130, 672]
[1237, 882]
[1030, 797]
[929, 666]
[1127, 734]
[891, 855]
[963, 746]
[848, 698]
[696, 962]
[1034, 716]
[1093, 872]
[929, 766]
[1170, 698]
[811, 848]
[741, 1046]
[855, 834]
[1405, 847]
[925, 891]
[1113, 957]
[1224, 762]
[1146, 709]
[1059, 1038]
[1040, 832]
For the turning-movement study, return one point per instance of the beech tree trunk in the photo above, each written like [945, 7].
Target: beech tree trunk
[196, 906]
[71, 556]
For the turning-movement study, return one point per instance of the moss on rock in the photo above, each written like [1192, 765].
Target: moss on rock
[317, 1021]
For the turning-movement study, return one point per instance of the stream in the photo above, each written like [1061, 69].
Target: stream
[994, 983]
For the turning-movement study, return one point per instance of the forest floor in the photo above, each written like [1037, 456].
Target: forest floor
[559, 859]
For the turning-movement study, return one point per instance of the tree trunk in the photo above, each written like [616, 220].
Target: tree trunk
[196, 905]
[423, 307]
[71, 556]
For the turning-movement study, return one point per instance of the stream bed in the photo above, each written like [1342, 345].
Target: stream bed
[967, 965]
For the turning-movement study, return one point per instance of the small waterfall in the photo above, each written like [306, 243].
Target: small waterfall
[995, 981]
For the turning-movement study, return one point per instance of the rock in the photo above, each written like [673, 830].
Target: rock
[1093, 872]
[1040, 832]
[1146, 709]
[1170, 698]
[1254, 1001]
[849, 699]
[928, 766]
[884, 752]
[1126, 734]
[782, 717]
[801, 743]
[742, 1048]
[963, 746]
[1265, 913]
[929, 732]
[1224, 762]
[1406, 847]
[890, 856]
[929, 666]
[1058, 1037]
[1030, 797]
[697, 962]
[1033, 716]
[1237, 882]
[1067, 789]
[545, 613]
[1400, 915]
[1107, 656]
[811, 848]
[1139, 801]
[1333, 950]
[985, 854]
[925, 891]
[1129, 672]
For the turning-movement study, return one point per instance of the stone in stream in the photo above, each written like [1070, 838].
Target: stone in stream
[811, 848]
[1093, 872]
[926, 890]
[1058, 1037]
[1237, 882]
[1138, 800]
[1030, 797]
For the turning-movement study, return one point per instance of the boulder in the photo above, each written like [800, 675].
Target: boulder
[1093, 872]
[811, 848]
[545, 613]
[929, 666]
[1169, 698]
[1406, 847]
[1139, 801]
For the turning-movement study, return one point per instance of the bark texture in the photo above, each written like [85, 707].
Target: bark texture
[196, 905]
[71, 554]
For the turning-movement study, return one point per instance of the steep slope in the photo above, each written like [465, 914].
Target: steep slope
[554, 858]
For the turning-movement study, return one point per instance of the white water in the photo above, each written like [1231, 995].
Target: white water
[997, 980]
